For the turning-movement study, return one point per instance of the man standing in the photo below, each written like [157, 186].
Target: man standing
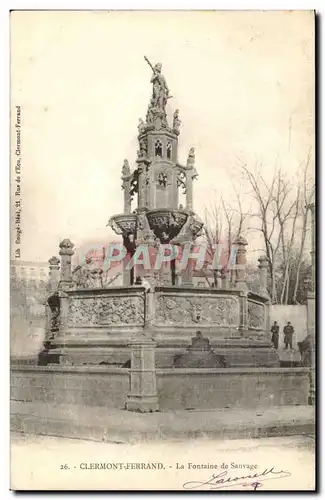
[275, 334]
[288, 331]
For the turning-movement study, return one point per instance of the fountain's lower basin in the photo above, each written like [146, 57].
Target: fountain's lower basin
[97, 325]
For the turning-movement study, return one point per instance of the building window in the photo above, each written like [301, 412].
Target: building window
[158, 148]
[169, 150]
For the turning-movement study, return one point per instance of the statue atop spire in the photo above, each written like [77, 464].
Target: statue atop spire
[160, 94]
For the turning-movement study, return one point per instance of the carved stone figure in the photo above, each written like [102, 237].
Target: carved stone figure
[191, 158]
[195, 175]
[199, 355]
[256, 315]
[143, 147]
[126, 171]
[88, 276]
[162, 179]
[181, 180]
[192, 228]
[160, 90]
[141, 222]
[190, 309]
[66, 247]
[150, 113]
[106, 310]
[54, 262]
[141, 126]
[176, 121]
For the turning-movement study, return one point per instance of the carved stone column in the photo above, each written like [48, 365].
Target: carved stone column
[189, 190]
[149, 274]
[64, 309]
[232, 277]
[143, 183]
[218, 279]
[241, 263]
[190, 168]
[243, 318]
[263, 268]
[48, 325]
[54, 273]
[146, 237]
[127, 278]
[187, 273]
[126, 186]
[143, 395]
[143, 391]
[66, 252]
[224, 279]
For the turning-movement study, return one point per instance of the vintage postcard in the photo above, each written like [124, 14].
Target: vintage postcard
[162, 250]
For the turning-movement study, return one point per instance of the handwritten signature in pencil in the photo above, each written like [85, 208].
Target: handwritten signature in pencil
[223, 480]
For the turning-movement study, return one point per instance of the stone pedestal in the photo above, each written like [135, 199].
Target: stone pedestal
[199, 355]
[143, 395]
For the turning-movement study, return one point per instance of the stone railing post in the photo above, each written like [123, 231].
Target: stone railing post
[54, 273]
[263, 268]
[66, 252]
[241, 263]
[143, 391]
[143, 395]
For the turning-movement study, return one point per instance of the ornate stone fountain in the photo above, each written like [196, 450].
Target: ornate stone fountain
[95, 324]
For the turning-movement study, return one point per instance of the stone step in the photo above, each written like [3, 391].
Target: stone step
[120, 426]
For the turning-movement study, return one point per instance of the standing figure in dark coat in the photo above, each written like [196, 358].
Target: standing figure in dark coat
[288, 331]
[275, 334]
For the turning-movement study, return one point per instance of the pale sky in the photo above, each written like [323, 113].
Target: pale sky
[239, 80]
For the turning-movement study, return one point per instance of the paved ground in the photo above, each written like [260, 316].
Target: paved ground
[282, 463]
[114, 425]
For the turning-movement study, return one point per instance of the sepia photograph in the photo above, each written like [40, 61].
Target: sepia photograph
[162, 250]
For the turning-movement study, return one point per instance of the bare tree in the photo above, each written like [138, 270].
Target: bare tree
[308, 193]
[277, 212]
[288, 246]
[281, 214]
[223, 224]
